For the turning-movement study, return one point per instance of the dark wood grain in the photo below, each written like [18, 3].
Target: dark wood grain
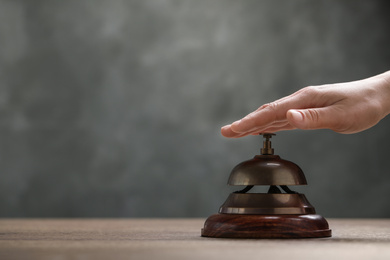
[266, 226]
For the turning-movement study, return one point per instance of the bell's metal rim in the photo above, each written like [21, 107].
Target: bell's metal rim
[267, 203]
[267, 211]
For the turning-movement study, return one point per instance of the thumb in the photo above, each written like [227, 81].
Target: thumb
[313, 118]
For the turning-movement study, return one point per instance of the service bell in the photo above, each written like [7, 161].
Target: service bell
[279, 213]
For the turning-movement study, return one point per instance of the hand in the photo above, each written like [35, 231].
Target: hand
[344, 108]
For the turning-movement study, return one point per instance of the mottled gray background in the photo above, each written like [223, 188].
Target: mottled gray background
[114, 108]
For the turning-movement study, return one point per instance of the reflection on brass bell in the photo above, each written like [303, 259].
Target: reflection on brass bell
[266, 215]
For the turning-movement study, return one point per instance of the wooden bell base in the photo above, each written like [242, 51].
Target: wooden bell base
[266, 226]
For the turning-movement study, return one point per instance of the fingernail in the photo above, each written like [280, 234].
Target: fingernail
[297, 117]
[237, 122]
[225, 127]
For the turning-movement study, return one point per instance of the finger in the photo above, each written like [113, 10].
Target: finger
[280, 126]
[269, 113]
[277, 125]
[275, 129]
[281, 100]
[227, 132]
[317, 118]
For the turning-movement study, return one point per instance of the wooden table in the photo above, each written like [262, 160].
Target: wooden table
[180, 239]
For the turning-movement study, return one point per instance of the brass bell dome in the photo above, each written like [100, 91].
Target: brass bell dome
[267, 169]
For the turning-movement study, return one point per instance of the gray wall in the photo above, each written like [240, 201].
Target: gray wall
[114, 108]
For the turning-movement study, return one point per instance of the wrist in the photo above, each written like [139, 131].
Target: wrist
[384, 91]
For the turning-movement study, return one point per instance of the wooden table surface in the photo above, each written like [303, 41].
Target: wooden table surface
[180, 239]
